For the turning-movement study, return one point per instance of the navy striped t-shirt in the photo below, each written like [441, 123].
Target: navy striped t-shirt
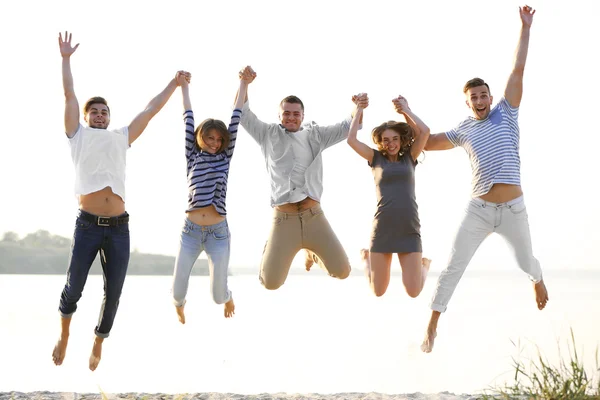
[493, 147]
[207, 173]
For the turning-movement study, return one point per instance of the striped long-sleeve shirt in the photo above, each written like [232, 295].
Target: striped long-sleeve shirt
[493, 147]
[207, 173]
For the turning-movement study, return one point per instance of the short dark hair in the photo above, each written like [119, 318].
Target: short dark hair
[404, 130]
[94, 100]
[474, 83]
[293, 100]
[208, 125]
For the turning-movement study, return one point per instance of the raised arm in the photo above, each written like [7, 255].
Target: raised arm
[361, 148]
[247, 76]
[183, 80]
[71, 103]
[514, 87]
[140, 122]
[421, 130]
[255, 127]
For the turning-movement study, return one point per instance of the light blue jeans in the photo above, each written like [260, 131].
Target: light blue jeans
[481, 219]
[215, 240]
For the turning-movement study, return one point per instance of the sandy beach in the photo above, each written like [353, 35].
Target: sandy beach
[231, 396]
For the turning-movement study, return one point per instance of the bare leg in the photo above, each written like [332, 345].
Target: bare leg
[427, 345]
[414, 272]
[60, 349]
[380, 272]
[541, 294]
[96, 353]
[229, 308]
[180, 313]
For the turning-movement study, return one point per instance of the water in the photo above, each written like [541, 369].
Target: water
[315, 334]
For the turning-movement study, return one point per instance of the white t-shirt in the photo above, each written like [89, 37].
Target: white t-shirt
[99, 159]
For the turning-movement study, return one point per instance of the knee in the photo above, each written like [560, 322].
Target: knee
[342, 273]
[220, 296]
[270, 284]
[413, 291]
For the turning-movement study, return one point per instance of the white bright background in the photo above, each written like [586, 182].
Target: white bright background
[323, 52]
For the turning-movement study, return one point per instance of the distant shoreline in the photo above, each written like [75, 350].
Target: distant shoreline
[230, 396]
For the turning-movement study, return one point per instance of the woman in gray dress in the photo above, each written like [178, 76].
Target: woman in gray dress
[396, 226]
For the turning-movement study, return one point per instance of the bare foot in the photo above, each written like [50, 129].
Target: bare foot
[229, 309]
[180, 313]
[364, 256]
[60, 350]
[308, 260]
[541, 294]
[427, 344]
[426, 263]
[96, 353]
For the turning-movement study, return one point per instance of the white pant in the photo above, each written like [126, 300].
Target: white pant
[480, 220]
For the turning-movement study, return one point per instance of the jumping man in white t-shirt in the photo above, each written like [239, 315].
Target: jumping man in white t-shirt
[102, 224]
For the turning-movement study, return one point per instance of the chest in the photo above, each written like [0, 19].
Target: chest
[390, 173]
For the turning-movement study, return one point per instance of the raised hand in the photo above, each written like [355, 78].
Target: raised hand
[247, 74]
[361, 100]
[66, 49]
[183, 78]
[526, 13]
[400, 104]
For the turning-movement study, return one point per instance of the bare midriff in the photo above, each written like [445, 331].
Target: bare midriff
[502, 192]
[205, 216]
[103, 203]
[297, 207]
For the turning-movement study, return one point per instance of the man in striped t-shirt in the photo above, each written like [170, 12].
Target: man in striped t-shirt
[491, 139]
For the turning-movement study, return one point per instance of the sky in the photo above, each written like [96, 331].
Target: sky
[323, 52]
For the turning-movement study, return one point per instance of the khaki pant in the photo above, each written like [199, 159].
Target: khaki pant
[292, 232]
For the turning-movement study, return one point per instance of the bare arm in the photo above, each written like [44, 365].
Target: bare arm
[438, 141]
[421, 130]
[183, 80]
[361, 148]
[140, 122]
[247, 76]
[71, 103]
[514, 86]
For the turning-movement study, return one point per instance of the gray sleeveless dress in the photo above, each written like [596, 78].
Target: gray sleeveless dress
[396, 226]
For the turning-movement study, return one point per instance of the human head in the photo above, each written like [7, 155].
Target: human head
[212, 136]
[479, 98]
[291, 113]
[393, 138]
[96, 113]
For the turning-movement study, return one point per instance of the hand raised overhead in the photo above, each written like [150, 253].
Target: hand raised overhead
[526, 13]
[183, 78]
[247, 74]
[66, 49]
[361, 100]
[400, 104]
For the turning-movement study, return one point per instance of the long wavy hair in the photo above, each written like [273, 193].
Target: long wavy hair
[404, 130]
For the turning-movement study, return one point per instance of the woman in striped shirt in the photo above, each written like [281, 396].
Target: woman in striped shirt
[208, 150]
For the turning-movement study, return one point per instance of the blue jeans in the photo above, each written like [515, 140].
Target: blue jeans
[215, 240]
[113, 244]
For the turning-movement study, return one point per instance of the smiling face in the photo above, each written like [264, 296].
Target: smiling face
[390, 142]
[211, 142]
[479, 101]
[97, 116]
[291, 116]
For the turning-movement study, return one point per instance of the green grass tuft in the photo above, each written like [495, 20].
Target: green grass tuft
[542, 381]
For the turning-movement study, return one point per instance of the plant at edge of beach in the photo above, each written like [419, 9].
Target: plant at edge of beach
[543, 381]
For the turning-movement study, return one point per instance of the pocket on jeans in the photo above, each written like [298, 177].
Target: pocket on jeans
[277, 221]
[221, 233]
[82, 224]
[517, 208]
[124, 229]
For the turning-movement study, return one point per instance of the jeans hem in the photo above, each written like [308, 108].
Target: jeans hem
[64, 315]
[101, 335]
[438, 307]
